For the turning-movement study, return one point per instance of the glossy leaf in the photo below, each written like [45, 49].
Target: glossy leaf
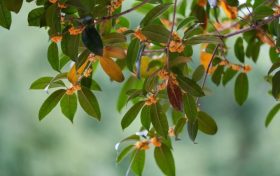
[164, 160]
[5, 16]
[124, 153]
[50, 103]
[192, 129]
[190, 86]
[241, 89]
[146, 117]
[239, 49]
[13, 5]
[89, 103]
[70, 46]
[190, 107]
[206, 123]
[138, 162]
[272, 114]
[131, 114]
[43, 82]
[53, 57]
[276, 85]
[159, 120]
[68, 105]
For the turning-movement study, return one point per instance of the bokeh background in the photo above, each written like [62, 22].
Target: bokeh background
[56, 147]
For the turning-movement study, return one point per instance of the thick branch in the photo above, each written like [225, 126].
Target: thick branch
[122, 13]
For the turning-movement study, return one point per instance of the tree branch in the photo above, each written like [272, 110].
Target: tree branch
[95, 21]
[171, 32]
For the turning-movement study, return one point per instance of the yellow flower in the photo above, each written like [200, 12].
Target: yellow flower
[151, 100]
[142, 145]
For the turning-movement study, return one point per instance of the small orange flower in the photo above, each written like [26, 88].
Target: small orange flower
[152, 99]
[53, 1]
[138, 34]
[247, 68]
[163, 74]
[87, 73]
[224, 62]
[142, 145]
[231, 12]
[73, 89]
[162, 86]
[176, 45]
[202, 3]
[235, 67]
[76, 31]
[156, 142]
[173, 79]
[115, 4]
[56, 38]
[62, 5]
[122, 30]
[92, 57]
[171, 132]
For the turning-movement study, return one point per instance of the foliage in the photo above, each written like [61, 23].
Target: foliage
[86, 33]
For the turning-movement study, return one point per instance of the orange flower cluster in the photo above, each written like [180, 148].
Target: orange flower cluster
[92, 57]
[156, 141]
[73, 89]
[152, 99]
[166, 76]
[142, 145]
[236, 67]
[87, 73]
[171, 132]
[53, 1]
[122, 30]
[56, 38]
[76, 31]
[202, 3]
[231, 12]
[138, 34]
[62, 5]
[115, 4]
[176, 45]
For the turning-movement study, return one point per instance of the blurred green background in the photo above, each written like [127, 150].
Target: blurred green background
[55, 147]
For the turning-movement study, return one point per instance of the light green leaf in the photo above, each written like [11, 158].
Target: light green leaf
[68, 105]
[131, 114]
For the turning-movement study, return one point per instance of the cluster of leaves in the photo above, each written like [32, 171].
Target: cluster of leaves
[86, 33]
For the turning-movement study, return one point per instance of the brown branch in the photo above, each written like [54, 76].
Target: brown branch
[95, 21]
[253, 27]
[208, 68]
[171, 32]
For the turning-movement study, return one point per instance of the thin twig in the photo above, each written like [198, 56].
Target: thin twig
[171, 33]
[208, 68]
[95, 21]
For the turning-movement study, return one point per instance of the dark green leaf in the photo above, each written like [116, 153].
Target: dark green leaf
[198, 73]
[180, 126]
[228, 75]
[132, 53]
[43, 82]
[35, 16]
[70, 46]
[217, 75]
[68, 105]
[131, 114]
[89, 103]
[276, 85]
[164, 160]
[261, 12]
[272, 114]
[138, 162]
[50, 103]
[146, 117]
[239, 49]
[190, 107]
[190, 86]
[159, 120]
[241, 88]
[13, 5]
[124, 153]
[5, 16]
[192, 129]
[53, 57]
[154, 13]
[206, 124]
[156, 33]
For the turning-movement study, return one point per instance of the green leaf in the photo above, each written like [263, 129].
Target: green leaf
[217, 75]
[186, 22]
[275, 66]
[228, 75]
[261, 12]
[272, 114]
[131, 114]
[165, 160]
[13, 5]
[35, 16]
[50, 103]
[159, 120]
[92, 40]
[146, 117]
[154, 13]
[198, 73]
[183, 7]
[192, 129]
[241, 88]
[132, 53]
[180, 126]
[70, 46]
[5, 16]
[53, 57]
[68, 105]
[43, 82]
[234, 3]
[113, 38]
[276, 85]
[156, 33]
[239, 49]
[203, 39]
[53, 19]
[89, 103]
[190, 107]
[124, 153]
[190, 86]
[206, 123]
[138, 162]
[82, 58]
